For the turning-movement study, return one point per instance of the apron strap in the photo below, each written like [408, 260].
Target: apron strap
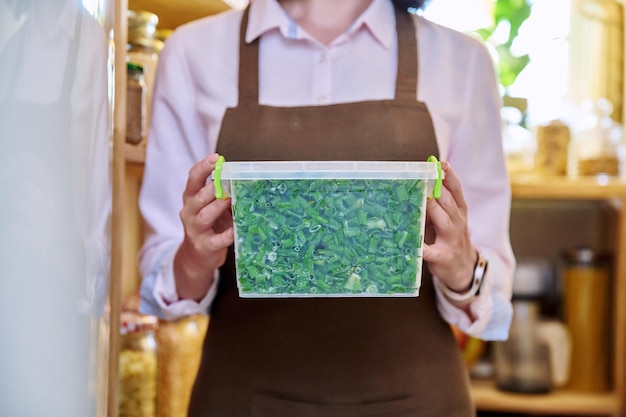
[406, 81]
[248, 65]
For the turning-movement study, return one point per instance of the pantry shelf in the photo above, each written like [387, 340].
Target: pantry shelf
[601, 188]
[542, 187]
[559, 402]
[530, 186]
[135, 154]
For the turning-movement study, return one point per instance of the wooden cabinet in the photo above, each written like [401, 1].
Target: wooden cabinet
[563, 401]
[486, 395]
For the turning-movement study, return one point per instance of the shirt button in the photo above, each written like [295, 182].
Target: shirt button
[322, 58]
[321, 99]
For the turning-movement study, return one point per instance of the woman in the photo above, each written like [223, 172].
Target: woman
[327, 80]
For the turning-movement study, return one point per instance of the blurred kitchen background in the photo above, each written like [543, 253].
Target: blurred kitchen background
[561, 69]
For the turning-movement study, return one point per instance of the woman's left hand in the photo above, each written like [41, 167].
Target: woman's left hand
[451, 257]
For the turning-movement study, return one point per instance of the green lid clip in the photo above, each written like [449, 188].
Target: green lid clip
[439, 180]
[217, 179]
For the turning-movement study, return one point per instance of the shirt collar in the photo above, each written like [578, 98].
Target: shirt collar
[267, 15]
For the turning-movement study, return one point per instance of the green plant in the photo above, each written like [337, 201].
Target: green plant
[511, 13]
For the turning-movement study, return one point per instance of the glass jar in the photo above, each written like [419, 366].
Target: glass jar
[145, 52]
[180, 350]
[596, 143]
[553, 139]
[518, 143]
[522, 362]
[135, 104]
[587, 300]
[138, 366]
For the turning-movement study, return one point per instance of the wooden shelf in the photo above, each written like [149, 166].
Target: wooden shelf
[175, 13]
[135, 154]
[559, 402]
[563, 402]
[486, 396]
[523, 186]
[536, 186]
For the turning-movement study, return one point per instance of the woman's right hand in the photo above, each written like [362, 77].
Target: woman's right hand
[209, 232]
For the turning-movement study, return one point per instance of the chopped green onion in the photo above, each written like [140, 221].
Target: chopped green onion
[328, 237]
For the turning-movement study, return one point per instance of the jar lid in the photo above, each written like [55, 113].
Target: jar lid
[141, 24]
[141, 18]
[163, 34]
[585, 255]
[136, 323]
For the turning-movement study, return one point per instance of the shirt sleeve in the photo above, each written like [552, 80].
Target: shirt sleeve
[176, 142]
[476, 155]
[160, 298]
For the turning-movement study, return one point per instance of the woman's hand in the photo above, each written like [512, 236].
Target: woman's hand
[451, 257]
[208, 227]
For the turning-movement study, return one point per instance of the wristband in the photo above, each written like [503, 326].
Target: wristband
[480, 269]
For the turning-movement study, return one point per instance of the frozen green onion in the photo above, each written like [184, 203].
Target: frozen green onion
[328, 237]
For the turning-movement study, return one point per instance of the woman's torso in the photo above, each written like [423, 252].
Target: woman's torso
[329, 357]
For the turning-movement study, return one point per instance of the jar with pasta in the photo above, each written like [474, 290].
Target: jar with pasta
[180, 349]
[138, 366]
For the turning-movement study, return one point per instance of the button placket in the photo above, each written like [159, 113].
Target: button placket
[322, 77]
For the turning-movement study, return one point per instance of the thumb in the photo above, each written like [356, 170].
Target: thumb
[431, 253]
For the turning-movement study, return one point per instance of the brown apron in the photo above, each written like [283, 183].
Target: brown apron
[329, 357]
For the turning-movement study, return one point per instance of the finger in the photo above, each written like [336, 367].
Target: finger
[212, 214]
[204, 197]
[224, 239]
[453, 184]
[224, 222]
[436, 254]
[198, 175]
[215, 242]
[433, 253]
[437, 216]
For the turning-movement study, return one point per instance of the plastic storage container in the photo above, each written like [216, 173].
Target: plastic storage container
[328, 229]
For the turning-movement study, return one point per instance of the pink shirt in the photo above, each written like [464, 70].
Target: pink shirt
[197, 80]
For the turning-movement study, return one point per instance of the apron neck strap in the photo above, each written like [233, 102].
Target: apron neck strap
[406, 81]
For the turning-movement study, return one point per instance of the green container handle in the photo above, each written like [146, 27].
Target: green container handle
[217, 179]
[439, 180]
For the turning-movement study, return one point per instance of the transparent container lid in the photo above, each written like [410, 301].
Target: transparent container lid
[260, 170]
[380, 170]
